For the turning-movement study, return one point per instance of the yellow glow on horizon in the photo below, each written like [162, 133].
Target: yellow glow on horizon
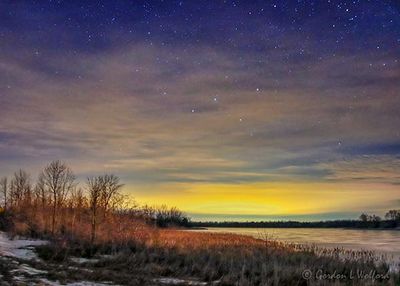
[270, 198]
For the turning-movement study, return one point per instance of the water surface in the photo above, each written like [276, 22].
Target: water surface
[380, 241]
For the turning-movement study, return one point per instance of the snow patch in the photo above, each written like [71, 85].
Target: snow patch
[176, 281]
[81, 260]
[80, 269]
[28, 270]
[12, 249]
[18, 248]
[47, 282]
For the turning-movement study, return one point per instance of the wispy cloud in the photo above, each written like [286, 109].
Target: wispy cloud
[268, 107]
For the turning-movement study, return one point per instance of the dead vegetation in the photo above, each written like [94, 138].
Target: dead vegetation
[95, 221]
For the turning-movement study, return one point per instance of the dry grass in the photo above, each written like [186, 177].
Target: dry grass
[190, 239]
[228, 259]
[140, 250]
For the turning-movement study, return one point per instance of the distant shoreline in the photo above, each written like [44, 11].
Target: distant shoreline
[345, 224]
[288, 227]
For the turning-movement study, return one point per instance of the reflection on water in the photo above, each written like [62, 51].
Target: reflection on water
[380, 241]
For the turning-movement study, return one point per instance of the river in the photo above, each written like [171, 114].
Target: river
[380, 241]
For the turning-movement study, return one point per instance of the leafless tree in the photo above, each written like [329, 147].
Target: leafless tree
[95, 186]
[77, 205]
[103, 195]
[4, 191]
[364, 217]
[110, 192]
[20, 189]
[41, 193]
[393, 215]
[43, 199]
[58, 180]
[170, 216]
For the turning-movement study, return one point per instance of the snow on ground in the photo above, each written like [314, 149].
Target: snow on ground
[18, 248]
[14, 250]
[23, 268]
[83, 283]
[81, 260]
[176, 281]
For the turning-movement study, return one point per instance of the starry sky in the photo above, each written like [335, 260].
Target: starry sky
[226, 109]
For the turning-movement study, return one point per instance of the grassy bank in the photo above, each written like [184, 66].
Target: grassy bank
[134, 245]
[218, 259]
[129, 251]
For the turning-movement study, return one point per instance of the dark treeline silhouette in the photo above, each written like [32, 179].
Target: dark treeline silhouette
[56, 204]
[392, 220]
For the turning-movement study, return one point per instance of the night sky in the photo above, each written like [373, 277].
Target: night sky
[225, 109]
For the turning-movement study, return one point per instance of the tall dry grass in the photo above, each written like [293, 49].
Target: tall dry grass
[137, 245]
[217, 258]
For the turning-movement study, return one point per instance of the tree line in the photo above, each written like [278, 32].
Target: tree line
[392, 220]
[57, 204]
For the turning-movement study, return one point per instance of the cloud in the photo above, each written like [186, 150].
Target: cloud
[168, 122]
[366, 168]
[103, 100]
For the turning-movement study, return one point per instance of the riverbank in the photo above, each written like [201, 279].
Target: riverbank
[177, 257]
[385, 243]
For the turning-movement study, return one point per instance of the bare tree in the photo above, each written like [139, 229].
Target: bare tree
[110, 192]
[77, 204]
[58, 180]
[41, 193]
[103, 195]
[4, 191]
[364, 217]
[20, 189]
[42, 197]
[95, 186]
[393, 215]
